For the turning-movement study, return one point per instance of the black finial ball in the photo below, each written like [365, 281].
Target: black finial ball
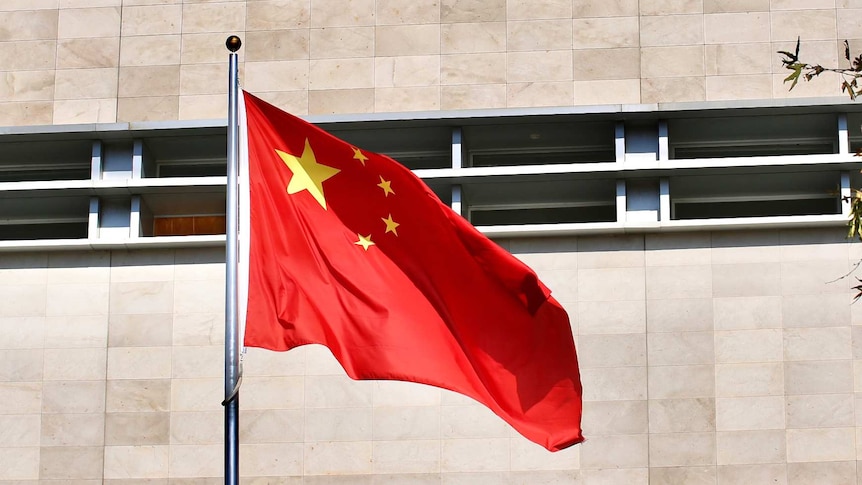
[233, 43]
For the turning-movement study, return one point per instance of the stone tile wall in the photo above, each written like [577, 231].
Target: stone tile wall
[85, 61]
[725, 357]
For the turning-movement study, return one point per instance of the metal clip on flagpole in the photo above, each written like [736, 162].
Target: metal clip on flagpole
[232, 373]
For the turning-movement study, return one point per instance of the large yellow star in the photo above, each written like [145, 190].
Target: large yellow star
[364, 241]
[386, 185]
[307, 173]
[391, 225]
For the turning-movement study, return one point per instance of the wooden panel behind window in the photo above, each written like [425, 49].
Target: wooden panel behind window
[188, 225]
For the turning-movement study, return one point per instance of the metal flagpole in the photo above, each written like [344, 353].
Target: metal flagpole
[231, 329]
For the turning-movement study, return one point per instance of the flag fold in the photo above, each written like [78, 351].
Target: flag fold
[350, 250]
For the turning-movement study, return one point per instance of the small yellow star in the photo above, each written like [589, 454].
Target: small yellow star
[357, 155]
[386, 185]
[364, 241]
[391, 225]
[307, 173]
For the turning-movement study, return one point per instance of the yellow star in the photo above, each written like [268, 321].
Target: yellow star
[307, 173]
[364, 241]
[391, 225]
[357, 155]
[386, 185]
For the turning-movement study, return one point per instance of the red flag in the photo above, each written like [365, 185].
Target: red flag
[350, 250]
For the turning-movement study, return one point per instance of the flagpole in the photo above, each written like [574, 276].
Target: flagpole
[231, 332]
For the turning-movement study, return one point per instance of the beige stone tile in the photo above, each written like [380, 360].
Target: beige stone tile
[72, 397]
[680, 348]
[77, 299]
[278, 45]
[551, 9]
[816, 24]
[813, 277]
[275, 393]
[142, 330]
[472, 38]
[801, 4]
[747, 312]
[407, 71]
[207, 394]
[692, 281]
[139, 363]
[825, 377]
[204, 48]
[30, 300]
[206, 428]
[473, 68]
[24, 397]
[341, 73]
[617, 91]
[197, 79]
[539, 35]
[330, 101]
[145, 297]
[400, 393]
[605, 33]
[417, 98]
[136, 429]
[681, 381]
[138, 81]
[611, 317]
[194, 461]
[27, 86]
[677, 249]
[735, 28]
[28, 25]
[531, 457]
[736, 346]
[473, 96]
[738, 59]
[750, 413]
[74, 364]
[523, 67]
[677, 89]
[277, 14]
[404, 40]
[681, 449]
[89, 3]
[12, 5]
[146, 461]
[262, 362]
[747, 474]
[70, 462]
[681, 415]
[849, 23]
[88, 22]
[392, 423]
[471, 421]
[475, 455]
[820, 411]
[682, 474]
[634, 476]
[76, 331]
[738, 87]
[395, 12]
[616, 417]
[672, 61]
[616, 8]
[85, 53]
[741, 380]
[745, 246]
[21, 463]
[812, 445]
[151, 20]
[79, 267]
[817, 343]
[746, 280]
[268, 459]
[829, 472]
[150, 50]
[333, 13]
[337, 458]
[197, 296]
[21, 365]
[669, 7]
[125, 396]
[28, 55]
[85, 111]
[614, 451]
[338, 424]
[213, 17]
[721, 6]
[85, 84]
[20, 113]
[602, 64]
[822, 52]
[679, 315]
[24, 269]
[72, 430]
[608, 284]
[198, 329]
[20, 430]
[344, 42]
[671, 30]
[472, 11]
[825, 86]
[266, 426]
[277, 75]
[23, 332]
[617, 384]
[533, 94]
[618, 350]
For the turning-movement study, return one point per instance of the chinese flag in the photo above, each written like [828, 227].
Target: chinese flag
[350, 250]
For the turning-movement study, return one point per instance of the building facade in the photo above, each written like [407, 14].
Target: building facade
[644, 157]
